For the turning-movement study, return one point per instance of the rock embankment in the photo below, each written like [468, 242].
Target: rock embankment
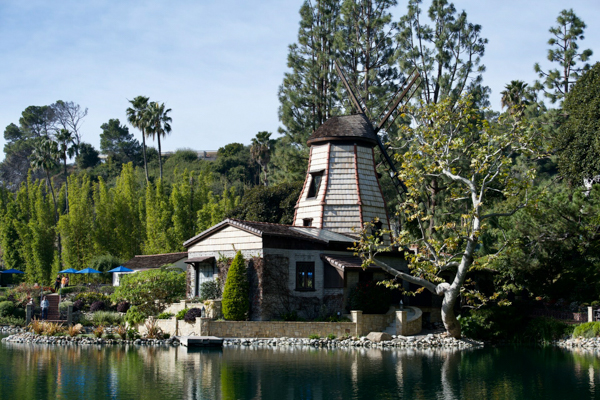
[27, 337]
[579, 342]
[423, 341]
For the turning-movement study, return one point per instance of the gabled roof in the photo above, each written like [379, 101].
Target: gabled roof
[342, 262]
[262, 229]
[347, 127]
[154, 261]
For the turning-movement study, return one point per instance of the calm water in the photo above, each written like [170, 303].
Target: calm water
[41, 372]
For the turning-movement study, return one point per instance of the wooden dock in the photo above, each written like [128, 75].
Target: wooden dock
[200, 341]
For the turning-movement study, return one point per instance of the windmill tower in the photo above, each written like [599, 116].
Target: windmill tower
[342, 191]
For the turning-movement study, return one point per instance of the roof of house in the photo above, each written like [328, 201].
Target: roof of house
[342, 262]
[346, 127]
[268, 229]
[154, 261]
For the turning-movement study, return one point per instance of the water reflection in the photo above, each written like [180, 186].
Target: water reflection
[38, 371]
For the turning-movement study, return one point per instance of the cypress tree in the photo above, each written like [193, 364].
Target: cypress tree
[235, 296]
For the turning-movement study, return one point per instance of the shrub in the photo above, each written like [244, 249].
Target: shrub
[74, 330]
[122, 307]
[152, 329]
[64, 305]
[235, 296]
[313, 336]
[78, 305]
[97, 306]
[331, 336]
[107, 290]
[587, 330]
[192, 314]
[135, 315]
[545, 330]
[99, 331]
[36, 326]
[71, 289]
[164, 315]
[106, 318]
[52, 328]
[122, 331]
[144, 288]
[16, 321]
[210, 290]
[181, 314]
[92, 297]
[370, 297]
[7, 308]
[595, 303]
[132, 334]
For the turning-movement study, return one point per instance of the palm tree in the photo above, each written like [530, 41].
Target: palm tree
[516, 96]
[45, 157]
[67, 148]
[135, 116]
[260, 150]
[158, 124]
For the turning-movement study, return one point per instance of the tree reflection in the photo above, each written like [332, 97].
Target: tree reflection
[92, 372]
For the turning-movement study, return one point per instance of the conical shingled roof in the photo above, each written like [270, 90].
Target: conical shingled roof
[343, 128]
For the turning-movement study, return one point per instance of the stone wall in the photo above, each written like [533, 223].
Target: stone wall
[406, 326]
[269, 329]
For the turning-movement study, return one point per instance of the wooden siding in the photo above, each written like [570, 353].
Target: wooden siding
[226, 238]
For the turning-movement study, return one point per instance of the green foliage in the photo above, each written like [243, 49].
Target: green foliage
[135, 315]
[565, 51]
[88, 156]
[236, 302]
[64, 305]
[370, 298]
[210, 290]
[133, 334]
[104, 263]
[107, 318]
[150, 290]
[181, 314]
[71, 289]
[587, 330]
[273, 204]
[331, 336]
[92, 297]
[577, 139]
[314, 336]
[118, 144]
[16, 321]
[7, 308]
[545, 330]
[164, 315]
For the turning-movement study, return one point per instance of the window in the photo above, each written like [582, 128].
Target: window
[315, 183]
[305, 275]
[307, 222]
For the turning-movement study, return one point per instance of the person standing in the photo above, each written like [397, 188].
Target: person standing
[57, 284]
[45, 304]
[67, 281]
[63, 282]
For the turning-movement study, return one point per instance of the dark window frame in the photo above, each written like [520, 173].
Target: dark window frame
[307, 222]
[315, 184]
[305, 276]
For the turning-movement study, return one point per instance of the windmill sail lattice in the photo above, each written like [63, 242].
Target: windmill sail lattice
[400, 99]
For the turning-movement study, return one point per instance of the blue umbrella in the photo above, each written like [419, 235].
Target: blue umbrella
[68, 271]
[121, 269]
[89, 271]
[12, 271]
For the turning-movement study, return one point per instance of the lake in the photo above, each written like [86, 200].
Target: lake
[112, 372]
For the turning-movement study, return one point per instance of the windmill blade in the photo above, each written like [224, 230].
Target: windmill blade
[353, 97]
[415, 75]
[386, 159]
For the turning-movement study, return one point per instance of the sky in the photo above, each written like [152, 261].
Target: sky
[217, 64]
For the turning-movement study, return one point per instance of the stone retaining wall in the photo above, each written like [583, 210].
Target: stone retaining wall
[270, 329]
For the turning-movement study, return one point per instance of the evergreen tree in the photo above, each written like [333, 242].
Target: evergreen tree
[447, 53]
[307, 95]
[236, 303]
[565, 51]
[10, 242]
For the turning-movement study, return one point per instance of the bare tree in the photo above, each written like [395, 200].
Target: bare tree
[69, 116]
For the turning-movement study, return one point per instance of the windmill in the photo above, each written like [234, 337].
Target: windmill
[402, 96]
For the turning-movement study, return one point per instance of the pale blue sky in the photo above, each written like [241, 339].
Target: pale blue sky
[217, 64]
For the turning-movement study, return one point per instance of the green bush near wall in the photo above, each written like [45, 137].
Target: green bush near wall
[235, 296]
